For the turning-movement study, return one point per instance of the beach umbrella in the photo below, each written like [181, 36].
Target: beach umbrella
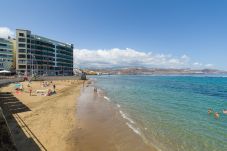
[4, 71]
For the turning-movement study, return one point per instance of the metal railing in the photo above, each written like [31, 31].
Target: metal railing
[8, 80]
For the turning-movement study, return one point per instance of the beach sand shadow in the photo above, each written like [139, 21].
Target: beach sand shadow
[22, 135]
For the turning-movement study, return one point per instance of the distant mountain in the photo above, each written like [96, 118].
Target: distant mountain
[153, 71]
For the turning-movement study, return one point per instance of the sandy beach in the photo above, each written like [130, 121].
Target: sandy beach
[42, 122]
[74, 119]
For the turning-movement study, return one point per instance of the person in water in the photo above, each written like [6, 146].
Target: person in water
[210, 111]
[216, 115]
[224, 111]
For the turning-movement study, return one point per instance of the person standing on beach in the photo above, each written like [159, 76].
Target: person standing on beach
[30, 91]
[95, 90]
[83, 83]
[54, 87]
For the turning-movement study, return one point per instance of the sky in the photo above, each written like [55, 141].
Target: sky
[112, 33]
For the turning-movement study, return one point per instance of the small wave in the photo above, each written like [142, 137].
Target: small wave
[105, 97]
[126, 117]
[136, 130]
[140, 133]
[118, 105]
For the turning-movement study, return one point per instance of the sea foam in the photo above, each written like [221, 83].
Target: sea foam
[105, 97]
[136, 130]
[126, 117]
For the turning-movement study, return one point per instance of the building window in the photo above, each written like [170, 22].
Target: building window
[3, 44]
[21, 56]
[5, 50]
[22, 50]
[22, 66]
[21, 45]
[22, 61]
[21, 40]
[21, 34]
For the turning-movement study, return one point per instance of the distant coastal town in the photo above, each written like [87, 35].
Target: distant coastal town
[150, 71]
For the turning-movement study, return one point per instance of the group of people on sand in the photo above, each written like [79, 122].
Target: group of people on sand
[216, 114]
[44, 84]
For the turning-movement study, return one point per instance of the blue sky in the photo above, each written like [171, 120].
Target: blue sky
[187, 33]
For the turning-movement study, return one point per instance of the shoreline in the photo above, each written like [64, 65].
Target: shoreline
[102, 127]
[43, 122]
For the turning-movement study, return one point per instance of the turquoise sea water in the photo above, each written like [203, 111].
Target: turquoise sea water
[170, 112]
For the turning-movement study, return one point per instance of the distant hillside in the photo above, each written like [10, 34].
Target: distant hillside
[153, 71]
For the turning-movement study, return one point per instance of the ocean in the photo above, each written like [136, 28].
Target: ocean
[170, 112]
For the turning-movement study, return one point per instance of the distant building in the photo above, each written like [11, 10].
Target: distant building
[39, 55]
[6, 54]
[77, 71]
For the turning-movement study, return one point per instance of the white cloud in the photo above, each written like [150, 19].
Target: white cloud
[5, 32]
[209, 65]
[197, 64]
[185, 57]
[126, 57]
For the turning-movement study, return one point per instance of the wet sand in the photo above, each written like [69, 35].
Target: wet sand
[101, 128]
[43, 122]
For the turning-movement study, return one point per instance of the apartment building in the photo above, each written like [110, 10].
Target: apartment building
[6, 54]
[40, 55]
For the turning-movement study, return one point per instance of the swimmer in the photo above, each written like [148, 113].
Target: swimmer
[210, 111]
[216, 115]
[224, 111]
